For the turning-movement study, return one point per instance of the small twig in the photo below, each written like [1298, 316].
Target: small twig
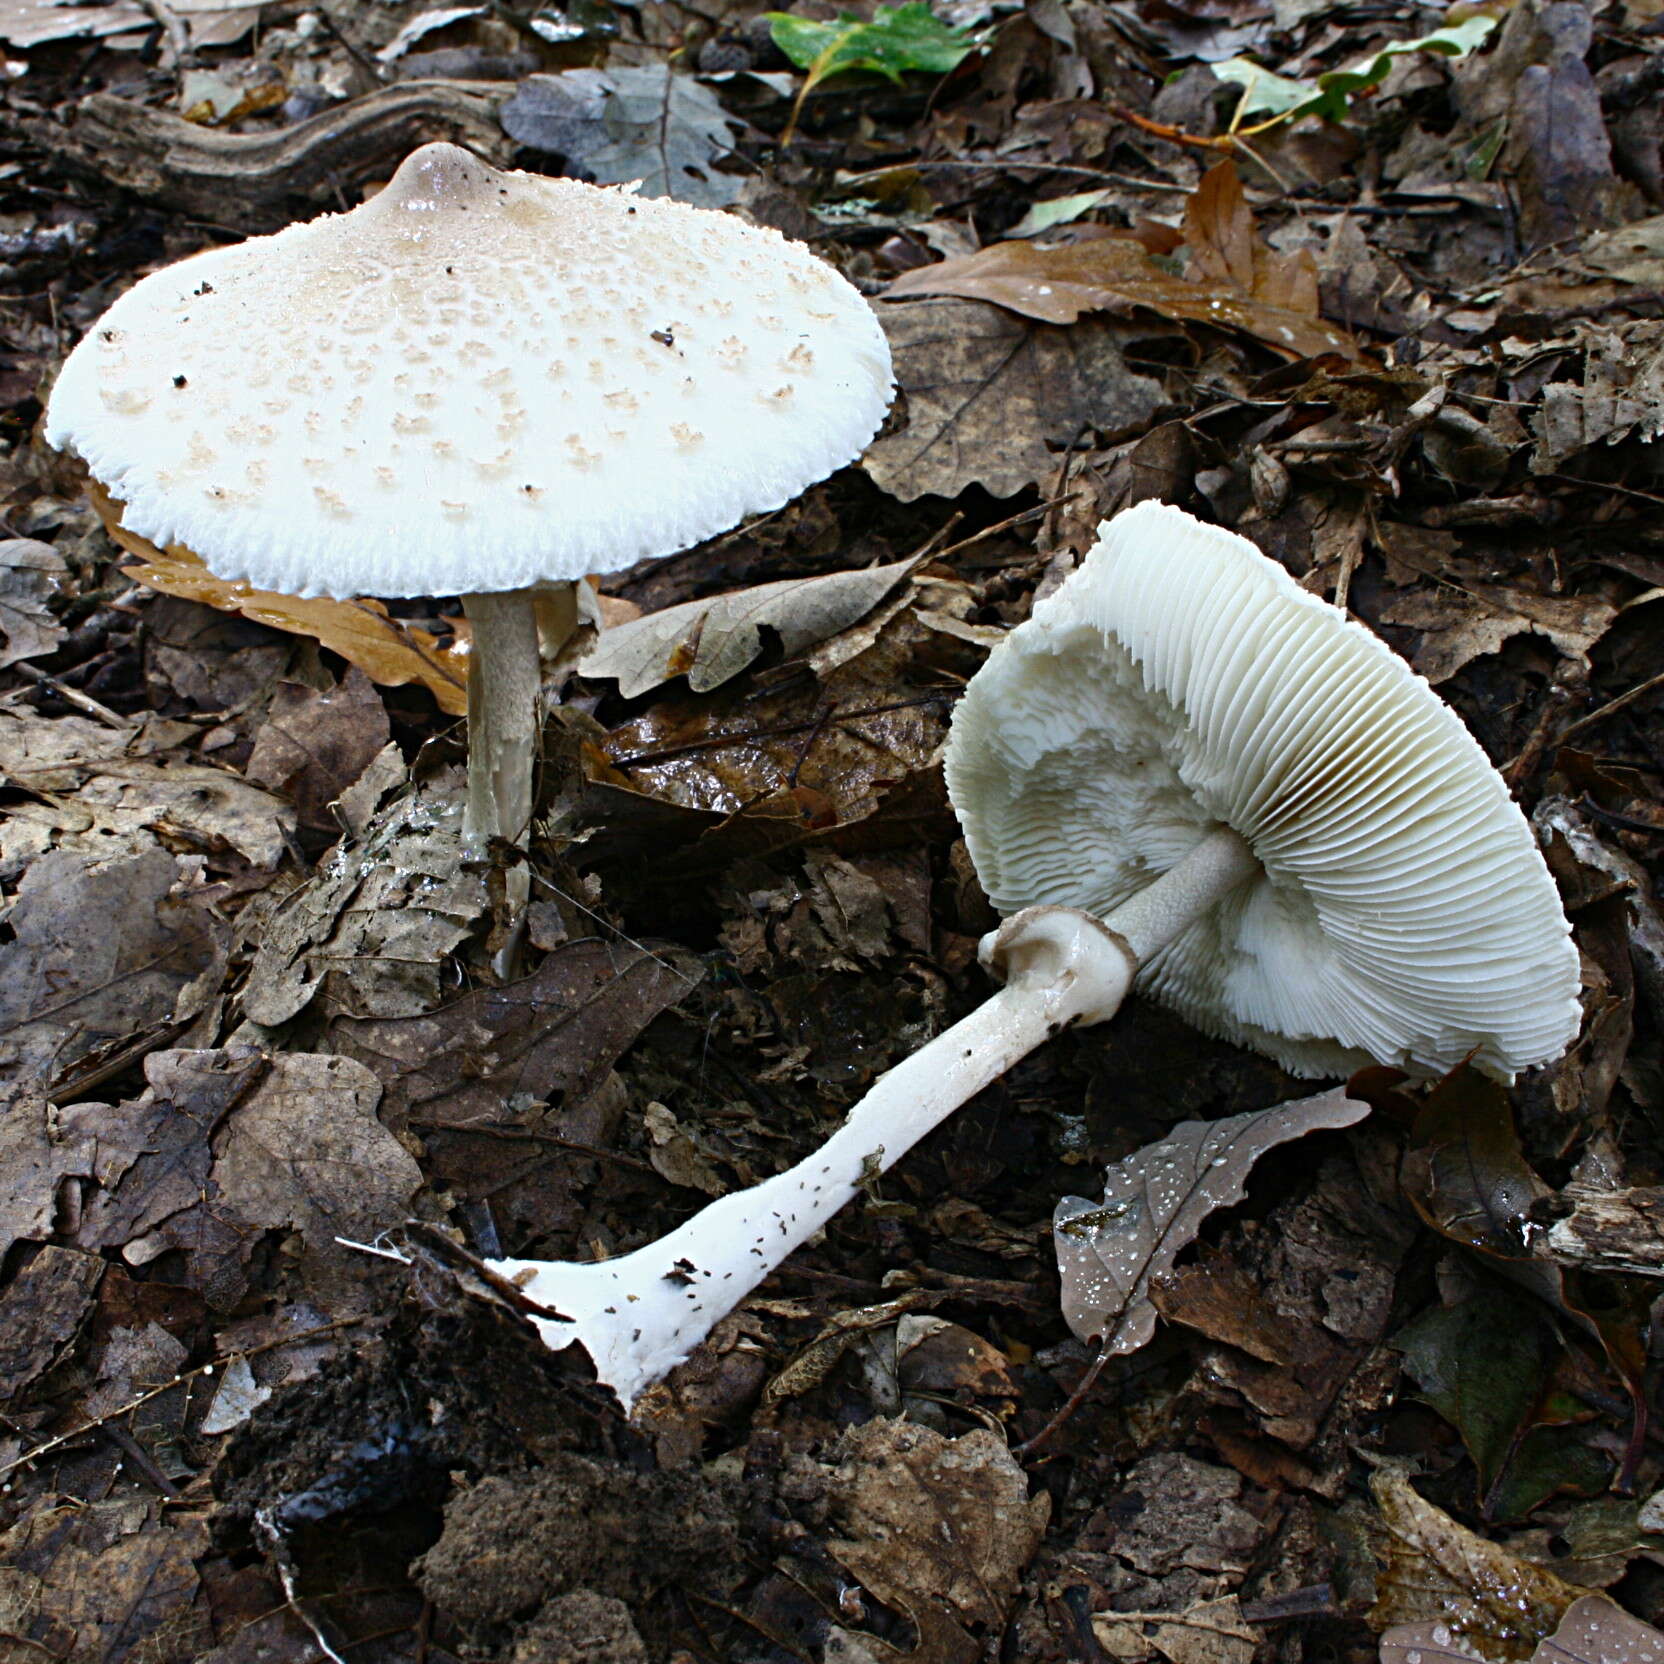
[57, 1441]
[82, 702]
[1610, 708]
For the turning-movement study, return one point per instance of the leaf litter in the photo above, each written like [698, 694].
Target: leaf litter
[1401, 339]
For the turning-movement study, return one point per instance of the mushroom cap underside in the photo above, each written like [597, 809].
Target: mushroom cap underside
[476, 381]
[1180, 681]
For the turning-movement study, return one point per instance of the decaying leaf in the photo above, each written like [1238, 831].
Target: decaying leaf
[41, 1313]
[386, 649]
[1234, 281]
[1155, 1202]
[87, 1582]
[991, 398]
[375, 926]
[225, 1145]
[1210, 1632]
[623, 125]
[1495, 1604]
[939, 1529]
[107, 955]
[712, 640]
[30, 572]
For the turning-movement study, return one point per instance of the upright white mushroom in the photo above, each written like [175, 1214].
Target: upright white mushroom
[1184, 772]
[478, 383]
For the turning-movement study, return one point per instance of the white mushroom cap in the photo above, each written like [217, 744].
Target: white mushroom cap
[1180, 681]
[476, 381]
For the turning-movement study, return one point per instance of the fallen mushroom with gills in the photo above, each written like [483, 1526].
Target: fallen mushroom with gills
[1188, 775]
[478, 383]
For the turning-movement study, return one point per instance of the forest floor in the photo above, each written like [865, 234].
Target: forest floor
[1403, 329]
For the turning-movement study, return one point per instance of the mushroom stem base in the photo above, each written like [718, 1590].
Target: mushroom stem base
[505, 719]
[640, 1315]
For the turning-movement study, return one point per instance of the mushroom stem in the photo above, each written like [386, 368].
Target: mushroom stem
[505, 716]
[640, 1315]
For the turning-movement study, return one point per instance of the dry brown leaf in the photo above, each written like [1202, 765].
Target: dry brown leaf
[1234, 281]
[1457, 628]
[939, 1529]
[1439, 1572]
[30, 572]
[386, 649]
[1155, 1202]
[712, 640]
[992, 400]
[1210, 1632]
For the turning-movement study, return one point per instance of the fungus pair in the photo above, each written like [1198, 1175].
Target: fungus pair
[478, 383]
[1187, 773]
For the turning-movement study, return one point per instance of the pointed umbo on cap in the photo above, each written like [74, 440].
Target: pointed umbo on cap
[1181, 681]
[477, 381]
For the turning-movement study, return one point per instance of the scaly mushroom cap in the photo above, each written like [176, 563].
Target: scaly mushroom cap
[475, 381]
[1180, 681]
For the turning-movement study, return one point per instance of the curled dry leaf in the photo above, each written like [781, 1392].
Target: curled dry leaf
[712, 640]
[386, 649]
[1234, 281]
[1495, 1603]
[1154, 1204]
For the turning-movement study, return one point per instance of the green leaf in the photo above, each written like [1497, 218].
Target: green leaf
[1278, 97]
[897, 40]
[1057, 210]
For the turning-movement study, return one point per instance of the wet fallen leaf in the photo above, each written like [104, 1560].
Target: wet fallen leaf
[1492, 1603]
[645, 124]
[1595, 1631]
[1234, 282]
[1487, 1365]
[386, 649]
[712, 640]
[106, 954]
[1155, 1202]
[30, 573]
[939, 1529]
[992, 400]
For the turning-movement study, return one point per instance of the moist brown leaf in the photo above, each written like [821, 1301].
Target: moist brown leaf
[1595, 1631]
[991, 398]
[1234, 281]
[939, 1529]
[712, 640]
[105, 953]
[387, 649]
[1439, 1571]
[1155, 1202]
